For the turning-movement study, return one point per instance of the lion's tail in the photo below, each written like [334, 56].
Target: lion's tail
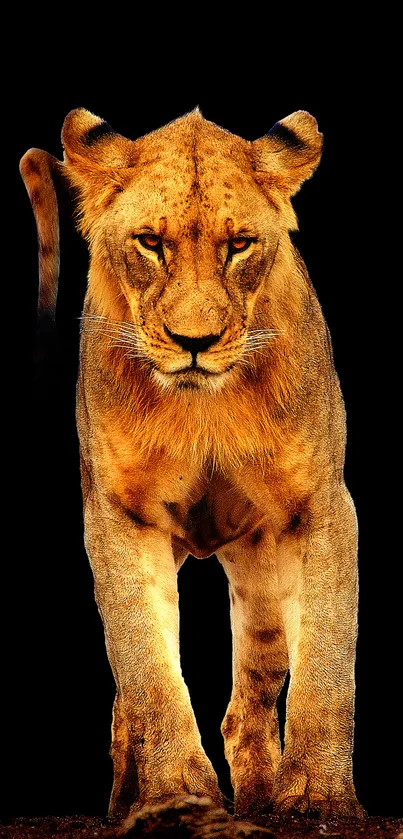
[40, 173]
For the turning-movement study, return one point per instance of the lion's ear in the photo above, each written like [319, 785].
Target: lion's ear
[98, 163]
[89, 141]
[291, 150]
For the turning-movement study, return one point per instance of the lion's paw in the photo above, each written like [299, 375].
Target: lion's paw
[299, 791]
[315, 805]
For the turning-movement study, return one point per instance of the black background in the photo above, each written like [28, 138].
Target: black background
[58, 689]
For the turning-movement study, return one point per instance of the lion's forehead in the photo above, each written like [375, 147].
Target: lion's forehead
[188, 194]
[191, 170]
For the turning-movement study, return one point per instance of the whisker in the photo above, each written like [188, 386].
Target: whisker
[115, 342]
[110, 326]
[135, 355]
[256, 345]
[126, 345]
[250, 339]
[106, 325]
[265, 330]
[260, 343]
[256, 338]
[108, 320]
[110, 333]
[129, 322]
[259, 334]
[119, 337]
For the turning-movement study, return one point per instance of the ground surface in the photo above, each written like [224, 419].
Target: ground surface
[188, 816]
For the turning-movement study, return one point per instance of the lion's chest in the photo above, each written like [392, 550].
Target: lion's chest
[200, 513]
[200, 508]
[219, 516]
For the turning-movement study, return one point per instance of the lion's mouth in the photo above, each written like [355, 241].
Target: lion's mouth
[192, 378]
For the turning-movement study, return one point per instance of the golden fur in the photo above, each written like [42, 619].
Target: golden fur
[188, 231]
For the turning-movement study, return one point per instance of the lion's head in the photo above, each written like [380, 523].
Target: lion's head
[184, 226]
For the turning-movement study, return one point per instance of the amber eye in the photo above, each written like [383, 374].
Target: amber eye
[148, 240]
[240, 243]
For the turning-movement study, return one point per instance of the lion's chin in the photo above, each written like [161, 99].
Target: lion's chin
[190, 380]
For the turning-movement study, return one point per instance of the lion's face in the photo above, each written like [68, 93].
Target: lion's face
[190, 245]
[188, 234]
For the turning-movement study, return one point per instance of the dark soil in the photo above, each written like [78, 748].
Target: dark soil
[192, 817]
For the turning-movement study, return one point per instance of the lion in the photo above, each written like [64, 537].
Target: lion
[211, 421]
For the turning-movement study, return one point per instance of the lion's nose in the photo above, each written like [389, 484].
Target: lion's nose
[194, 345]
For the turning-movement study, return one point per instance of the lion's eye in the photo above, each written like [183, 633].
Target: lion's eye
[148, 240]
[239, 243]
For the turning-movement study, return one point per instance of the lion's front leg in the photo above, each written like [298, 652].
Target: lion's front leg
[260, 665]
[318, 588]
[156, 748]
